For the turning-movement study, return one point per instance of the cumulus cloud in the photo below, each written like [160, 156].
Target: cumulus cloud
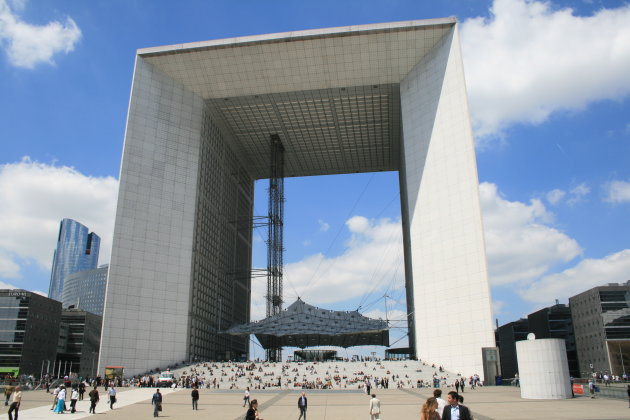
[530, 59]
[588, 273]
[27, 45]
[521, 243]
[36, 196]
[371, 260]
[617, 191]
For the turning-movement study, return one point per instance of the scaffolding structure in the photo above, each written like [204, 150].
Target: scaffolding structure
[275, 241]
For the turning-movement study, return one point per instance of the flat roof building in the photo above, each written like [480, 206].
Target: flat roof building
[556, 322]
[601, 320]
[381, 97]
[29, 331]
[78, 349]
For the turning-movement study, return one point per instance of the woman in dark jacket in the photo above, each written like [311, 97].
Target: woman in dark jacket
[252, 413]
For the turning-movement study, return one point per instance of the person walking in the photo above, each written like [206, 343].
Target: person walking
[55, 393]
[246, 397]
[457, 385]
[61, 400]
[156, 401]
[591, 388]
[16, 399]
[94, 397]
[302, 405]
[73, 399]
[195, 398]
[81, 390]
[252, 411]
[375, 408]
[429, 410]
[112, 396]
[455, 411]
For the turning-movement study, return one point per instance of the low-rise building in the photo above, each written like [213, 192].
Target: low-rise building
[601, 321]
[29, 332]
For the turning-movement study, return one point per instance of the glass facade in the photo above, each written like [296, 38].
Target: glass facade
[86, 290]
[29, 330]
[79, 348]
[77, 250]
[13, 314]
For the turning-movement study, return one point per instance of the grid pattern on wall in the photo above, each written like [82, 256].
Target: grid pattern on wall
[301, 60]
[327, 131]
[86, 290]
[220, 292]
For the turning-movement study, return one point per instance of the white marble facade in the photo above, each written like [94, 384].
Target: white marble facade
[409, 75]
[445, 250]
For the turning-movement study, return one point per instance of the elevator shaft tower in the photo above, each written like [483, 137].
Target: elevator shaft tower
[275, 241]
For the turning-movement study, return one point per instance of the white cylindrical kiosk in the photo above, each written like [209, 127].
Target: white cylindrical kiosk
[543, 369]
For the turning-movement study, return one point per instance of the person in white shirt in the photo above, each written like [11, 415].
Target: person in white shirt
[15, 402]
[441, 403]
[61, 400]
[73, 400]
[112, 396]
[375, 408]
[246, 397]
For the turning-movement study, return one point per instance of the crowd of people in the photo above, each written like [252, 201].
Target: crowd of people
[364, 375]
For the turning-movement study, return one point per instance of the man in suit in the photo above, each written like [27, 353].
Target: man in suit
[302, 405]
[454, 410]
[375, 408]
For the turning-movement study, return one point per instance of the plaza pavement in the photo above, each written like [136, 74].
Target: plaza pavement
[489, 403]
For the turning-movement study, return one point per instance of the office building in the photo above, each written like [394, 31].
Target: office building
[79, 342]
[380, 97]
[507, 336]
[556, 322]
[77, 250]
[29, 332]
[86, 290]
[601, 321]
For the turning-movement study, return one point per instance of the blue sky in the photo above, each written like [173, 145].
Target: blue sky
[549, 95]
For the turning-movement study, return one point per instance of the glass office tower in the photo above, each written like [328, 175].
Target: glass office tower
[77, 250]
[86, 290]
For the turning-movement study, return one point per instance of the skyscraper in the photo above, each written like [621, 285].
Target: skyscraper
[85, 290]
[77, 250]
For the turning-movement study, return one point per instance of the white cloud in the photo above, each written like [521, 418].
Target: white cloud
[372, 259]
[36, 196]
[27, 45]
[8, 267]
[323, 226]
[614, 268]
[520, 243]
[578, 193]
[530, 59]
[617, 192]
[555, 196]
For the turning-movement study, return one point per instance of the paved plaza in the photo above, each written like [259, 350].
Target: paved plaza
[496, 403]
